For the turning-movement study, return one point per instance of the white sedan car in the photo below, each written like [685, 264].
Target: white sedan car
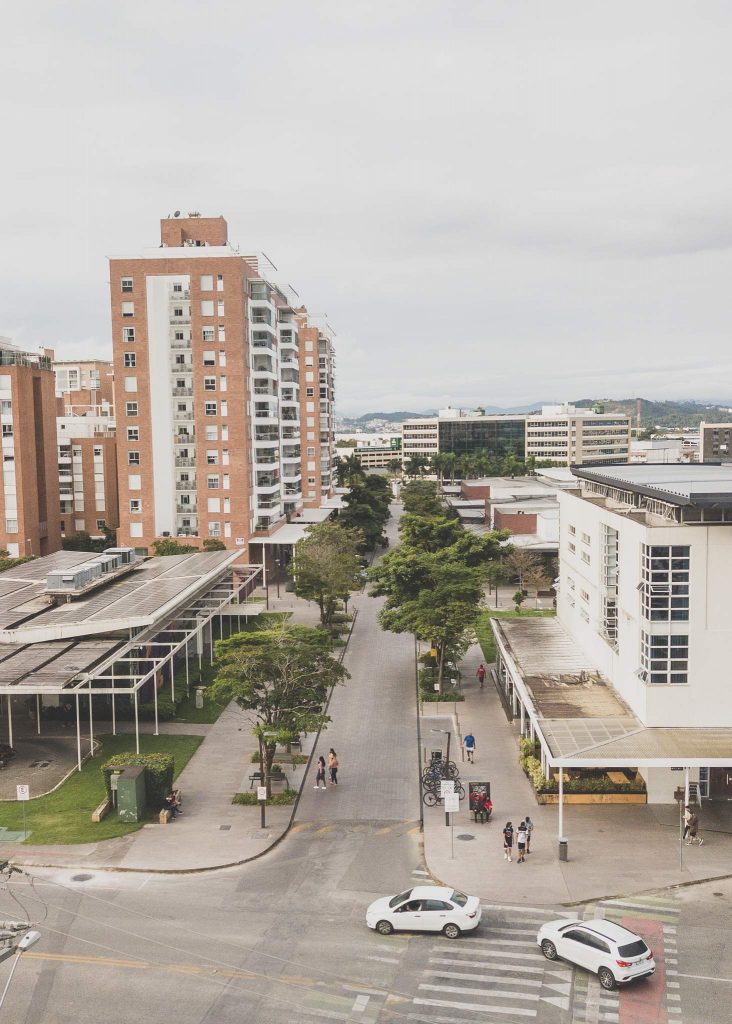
[610, 951]
[426, 908]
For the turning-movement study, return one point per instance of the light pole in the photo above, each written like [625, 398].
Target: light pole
[446, 762]
[28, 940]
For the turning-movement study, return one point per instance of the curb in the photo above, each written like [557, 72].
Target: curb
[216, 867]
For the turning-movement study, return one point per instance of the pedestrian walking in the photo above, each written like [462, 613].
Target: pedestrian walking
[694, 836]
[508, 841]
[333, 767]
[529, 830]
[469, 744]
[320, 774]
[687, 820]
[481, 674]
[521, 842]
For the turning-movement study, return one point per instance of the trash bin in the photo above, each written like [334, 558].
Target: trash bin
[199, 697]
[563, 849]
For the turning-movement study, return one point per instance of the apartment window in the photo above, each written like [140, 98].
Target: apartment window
[207, 307]
[311, 451]
[11, 525]
[128, 334]
[127, 284]
[133, 458]
[179, 336]
[224, 408]
[177, 289]
[131, 408]
[222, 332]
[130, 384]
[584, 615]
[585, 538]
[665, 582]
[214, 529]
[570, 583]
[207, 334]
[97, 452]
[222, 383]
[134, 482]
[130, 359]
[310, 392]
[219, 282]
[213, 504]
[135, 506]
[664, 659]
[212, 433]
[584, 595]
[101, 524]
[311, 481]
[209, 358]
[212, 482]
[220, 307]
[225, 456]
[224, 432]
[128, 309]
[206, 283]
[572, 530]
[212, 457]
[178, 311]
[7, 429]
[209, 383]
[227, 485]
[572, 547]
[210, 408]
[585, 558]
[133, 433]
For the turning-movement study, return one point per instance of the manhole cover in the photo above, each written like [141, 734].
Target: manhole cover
[81, 878]
[465, 836]
[717, 894]
[224, 828]
[40, 764]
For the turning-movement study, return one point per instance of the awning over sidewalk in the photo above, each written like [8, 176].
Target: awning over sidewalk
[579, 718]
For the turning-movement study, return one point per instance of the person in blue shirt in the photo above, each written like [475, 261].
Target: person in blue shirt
[469, 744]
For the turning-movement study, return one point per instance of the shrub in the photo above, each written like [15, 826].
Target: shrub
[277, 799]
[430, 696]
[527, 747]
[159, 774]
[588, 784]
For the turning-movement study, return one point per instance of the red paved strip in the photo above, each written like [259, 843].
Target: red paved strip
[644, 1001]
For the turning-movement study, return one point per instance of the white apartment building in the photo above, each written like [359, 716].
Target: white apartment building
[573, 437]
[637, 660]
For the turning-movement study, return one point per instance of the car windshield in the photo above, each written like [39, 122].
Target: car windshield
[460, 898]
[396, 900]
[637, 948]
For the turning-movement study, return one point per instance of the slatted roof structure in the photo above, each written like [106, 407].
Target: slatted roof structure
[580, 719]
[115, 639]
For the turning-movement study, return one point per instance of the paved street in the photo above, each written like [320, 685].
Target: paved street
[282, 940]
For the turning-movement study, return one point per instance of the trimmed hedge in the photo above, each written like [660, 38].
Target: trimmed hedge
[599, 784]
[277, 799]
[159, 774]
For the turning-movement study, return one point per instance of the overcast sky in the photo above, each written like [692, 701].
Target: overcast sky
[494, 202]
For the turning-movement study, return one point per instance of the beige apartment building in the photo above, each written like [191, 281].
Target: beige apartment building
[715, 442]
[29, 521]
[317, 397]
[208, 368]
[87, 473]
[85, 386]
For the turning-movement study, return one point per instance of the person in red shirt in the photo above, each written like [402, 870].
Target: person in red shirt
[481, 674]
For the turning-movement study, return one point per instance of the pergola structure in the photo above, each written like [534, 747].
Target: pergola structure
[579, 719]
[119, 638]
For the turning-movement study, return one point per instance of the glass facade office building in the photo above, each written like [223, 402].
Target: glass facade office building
[496, 437]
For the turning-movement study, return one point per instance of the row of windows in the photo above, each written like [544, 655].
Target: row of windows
[664, 659]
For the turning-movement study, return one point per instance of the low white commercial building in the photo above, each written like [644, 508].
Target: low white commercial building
[638, 660]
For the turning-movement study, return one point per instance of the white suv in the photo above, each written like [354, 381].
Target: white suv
[613, 953]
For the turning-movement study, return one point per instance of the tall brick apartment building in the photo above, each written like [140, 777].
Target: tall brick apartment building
[29, 522]
[208, 375]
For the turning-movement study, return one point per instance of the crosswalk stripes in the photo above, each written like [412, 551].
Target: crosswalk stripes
[496, 975]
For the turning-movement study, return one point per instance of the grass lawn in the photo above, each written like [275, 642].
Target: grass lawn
[64, 816]
[485, 633]
[186, 708]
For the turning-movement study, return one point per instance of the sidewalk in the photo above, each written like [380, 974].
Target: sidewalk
[212, 832]
[613, 850]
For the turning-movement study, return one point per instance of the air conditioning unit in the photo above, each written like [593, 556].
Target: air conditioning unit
[126, 555]
[76, 578]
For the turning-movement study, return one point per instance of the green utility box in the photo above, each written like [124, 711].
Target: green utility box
[128, 792]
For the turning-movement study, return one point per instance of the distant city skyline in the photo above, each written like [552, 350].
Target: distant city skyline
[487, 200]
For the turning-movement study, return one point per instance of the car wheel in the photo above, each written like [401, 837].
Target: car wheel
[384, 928]
[606, 978]
[549, 950]
[451, 931]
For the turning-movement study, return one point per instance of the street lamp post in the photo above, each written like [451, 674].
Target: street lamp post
[29, 939]
[448, 733]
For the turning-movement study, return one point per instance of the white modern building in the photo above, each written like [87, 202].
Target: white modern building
[634, 671]
[575, 436]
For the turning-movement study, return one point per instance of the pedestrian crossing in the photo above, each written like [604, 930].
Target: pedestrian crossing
[496, 974]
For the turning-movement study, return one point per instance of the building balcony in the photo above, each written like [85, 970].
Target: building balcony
[177, 320]
[184, 438]
[270, 502]
[266, 416]
[179, 296]
[265, 461]
[270, 487]
[185, 461]
[185, 509]
[265, 390]
[181, 392]
[185, 485]
[183, 417]
[181, 343]
[263, 372]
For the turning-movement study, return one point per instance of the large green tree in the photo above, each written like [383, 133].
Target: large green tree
[282, 676]
[326, 566]
[172, 547]
[420, 498]
[367, 509]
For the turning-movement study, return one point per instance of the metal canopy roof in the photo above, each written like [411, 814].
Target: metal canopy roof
[580, 718]
[703, 484]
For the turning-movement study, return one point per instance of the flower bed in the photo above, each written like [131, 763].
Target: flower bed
[596, 788]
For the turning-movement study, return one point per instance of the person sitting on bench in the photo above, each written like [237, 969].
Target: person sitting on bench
[172, 804]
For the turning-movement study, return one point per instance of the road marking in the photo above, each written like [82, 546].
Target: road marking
[481, 964]
[418, 871]
[490, 993]
[514, 1011]
[361, 1003]
[701, 977]
[384, 959]
[546, 911]
[483, 977]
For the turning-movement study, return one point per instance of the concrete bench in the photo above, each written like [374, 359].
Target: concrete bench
[273, 777]
[103, 810]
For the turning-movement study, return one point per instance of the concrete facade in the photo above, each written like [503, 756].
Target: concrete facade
[87, 465]
[715, 442]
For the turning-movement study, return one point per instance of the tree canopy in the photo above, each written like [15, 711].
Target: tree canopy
[367, 509]
[326, 567]
[168, 546]
[281, 675]
[420, 498]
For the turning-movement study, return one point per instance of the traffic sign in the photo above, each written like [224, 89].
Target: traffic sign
[452, 802]
[447, 788]
[261, 792]
[23, 792]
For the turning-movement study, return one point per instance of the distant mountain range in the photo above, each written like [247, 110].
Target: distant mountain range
[676, 414]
